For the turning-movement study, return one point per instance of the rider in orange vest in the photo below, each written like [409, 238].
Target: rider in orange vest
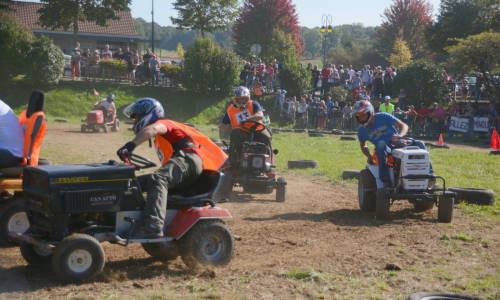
[241, 109]
[183, 151]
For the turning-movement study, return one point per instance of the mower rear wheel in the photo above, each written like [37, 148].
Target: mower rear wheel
[366, 190]
[78, 257]
[280, 189]
[382, 205]
[209, 242]
[166, 251]
[445, 209]
[35, 256]
[13, 218]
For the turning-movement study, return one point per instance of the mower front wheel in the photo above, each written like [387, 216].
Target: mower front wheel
[116, 126]
[35, 256]
[209, 242]
[78, 257]
[382, 205]
[13, 218]
[445, 209]
[280, 190]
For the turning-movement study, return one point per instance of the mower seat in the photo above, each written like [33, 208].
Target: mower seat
[12, 172]
[35, 123]
[196, 194]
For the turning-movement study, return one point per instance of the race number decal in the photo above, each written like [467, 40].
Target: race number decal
[242, 116]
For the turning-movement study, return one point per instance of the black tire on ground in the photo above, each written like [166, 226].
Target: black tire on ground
[423, 206]
[43, 162]
[95, 129]
[83, 128]
[166, 250]
[116, 126]
[105, 128]
[338, 131]
[350, 174]
[495, 152]
[302, 164]
[77, 258]
[281, 189]
[315, 134]
[382, 205]
[444, 146]
[299, 130]
[445, 209]
[367, 187]
[474, 196]
[347, 138]
[209, 242]
[13, 218]
[35, 256]
[439, 296]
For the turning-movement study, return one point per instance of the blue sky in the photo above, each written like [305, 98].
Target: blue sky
[367, 12]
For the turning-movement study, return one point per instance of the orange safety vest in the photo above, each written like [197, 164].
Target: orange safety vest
[211, 155]
[237, 115]
[32, 144]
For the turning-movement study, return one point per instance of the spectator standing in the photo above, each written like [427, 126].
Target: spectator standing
[387, 106]
[378, 83]
[326, 73]
[118, 54]
[155, 67]
[388, 80]
[315, 77]
[128, 58]
[106, 53]
[301, 117]
[76, 57]
[366, 76]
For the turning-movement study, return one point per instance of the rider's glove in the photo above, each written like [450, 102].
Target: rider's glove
[124, 152]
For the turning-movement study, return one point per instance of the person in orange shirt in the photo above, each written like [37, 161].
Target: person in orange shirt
[242, 109]
[183, 151]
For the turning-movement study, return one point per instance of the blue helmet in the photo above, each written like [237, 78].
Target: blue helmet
[147, 111]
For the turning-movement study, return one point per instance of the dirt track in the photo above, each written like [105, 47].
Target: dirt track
[319, 231]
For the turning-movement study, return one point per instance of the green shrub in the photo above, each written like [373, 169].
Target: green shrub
[46, 62]
[422, 81]
[208, 69]
[15, 42]
[338, 93]
[295, 79]
[173, 72]
[113, 68]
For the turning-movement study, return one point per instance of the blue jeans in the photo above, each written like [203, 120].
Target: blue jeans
[382, 149]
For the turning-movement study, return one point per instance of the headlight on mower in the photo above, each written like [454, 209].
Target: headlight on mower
[258, 162]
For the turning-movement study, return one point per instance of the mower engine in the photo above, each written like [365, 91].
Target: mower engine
[95, 117]
[413, 161]
[256, 157]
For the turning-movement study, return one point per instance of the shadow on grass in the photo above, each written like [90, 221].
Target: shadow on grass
[29, 279]
[350, 217]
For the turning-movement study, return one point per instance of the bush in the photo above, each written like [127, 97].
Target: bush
[113, 68]
[209, 69]
[422, 81]
[174, 72]
[295, 79]
[14, 44]
[46, 62]
[338, 93]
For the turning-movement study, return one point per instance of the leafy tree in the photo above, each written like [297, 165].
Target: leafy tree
[46, 62]
[205, 16]
[66, 13]
[281, 48]
[180, 50]
[312, 42]
[422, 81]
[356, 54]
[295, 79]
[461, 18]
[15, 42]
[407, 20]
[479, 53]
[401, 55]
[208, 69]
[258, 22]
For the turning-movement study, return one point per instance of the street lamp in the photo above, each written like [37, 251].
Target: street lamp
[325, 30]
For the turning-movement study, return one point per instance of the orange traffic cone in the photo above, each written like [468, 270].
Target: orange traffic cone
[495, 140]
[441, 141]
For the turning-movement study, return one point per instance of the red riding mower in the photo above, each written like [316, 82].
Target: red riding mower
[256, 171]
[13, 217]
[97, 119]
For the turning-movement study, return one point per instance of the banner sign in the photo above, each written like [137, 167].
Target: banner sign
[459, 124]
[481, 124]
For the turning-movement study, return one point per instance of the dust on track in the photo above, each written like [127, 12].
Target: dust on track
[319, 228]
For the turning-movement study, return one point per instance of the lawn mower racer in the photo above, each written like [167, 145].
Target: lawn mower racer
[103, 116]
[251, 156]
[72, 208]
[20, 142]
[399, 168]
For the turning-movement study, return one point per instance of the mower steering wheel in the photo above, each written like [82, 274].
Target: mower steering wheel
[139, 162]
[253, 126]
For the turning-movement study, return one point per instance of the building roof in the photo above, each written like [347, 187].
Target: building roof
[27, 14]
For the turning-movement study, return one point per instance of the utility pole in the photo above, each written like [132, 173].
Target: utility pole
[325, 30]
[152, 26]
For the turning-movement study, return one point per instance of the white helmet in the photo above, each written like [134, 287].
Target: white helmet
[147, 111]
[242, 91]
[361, 108]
